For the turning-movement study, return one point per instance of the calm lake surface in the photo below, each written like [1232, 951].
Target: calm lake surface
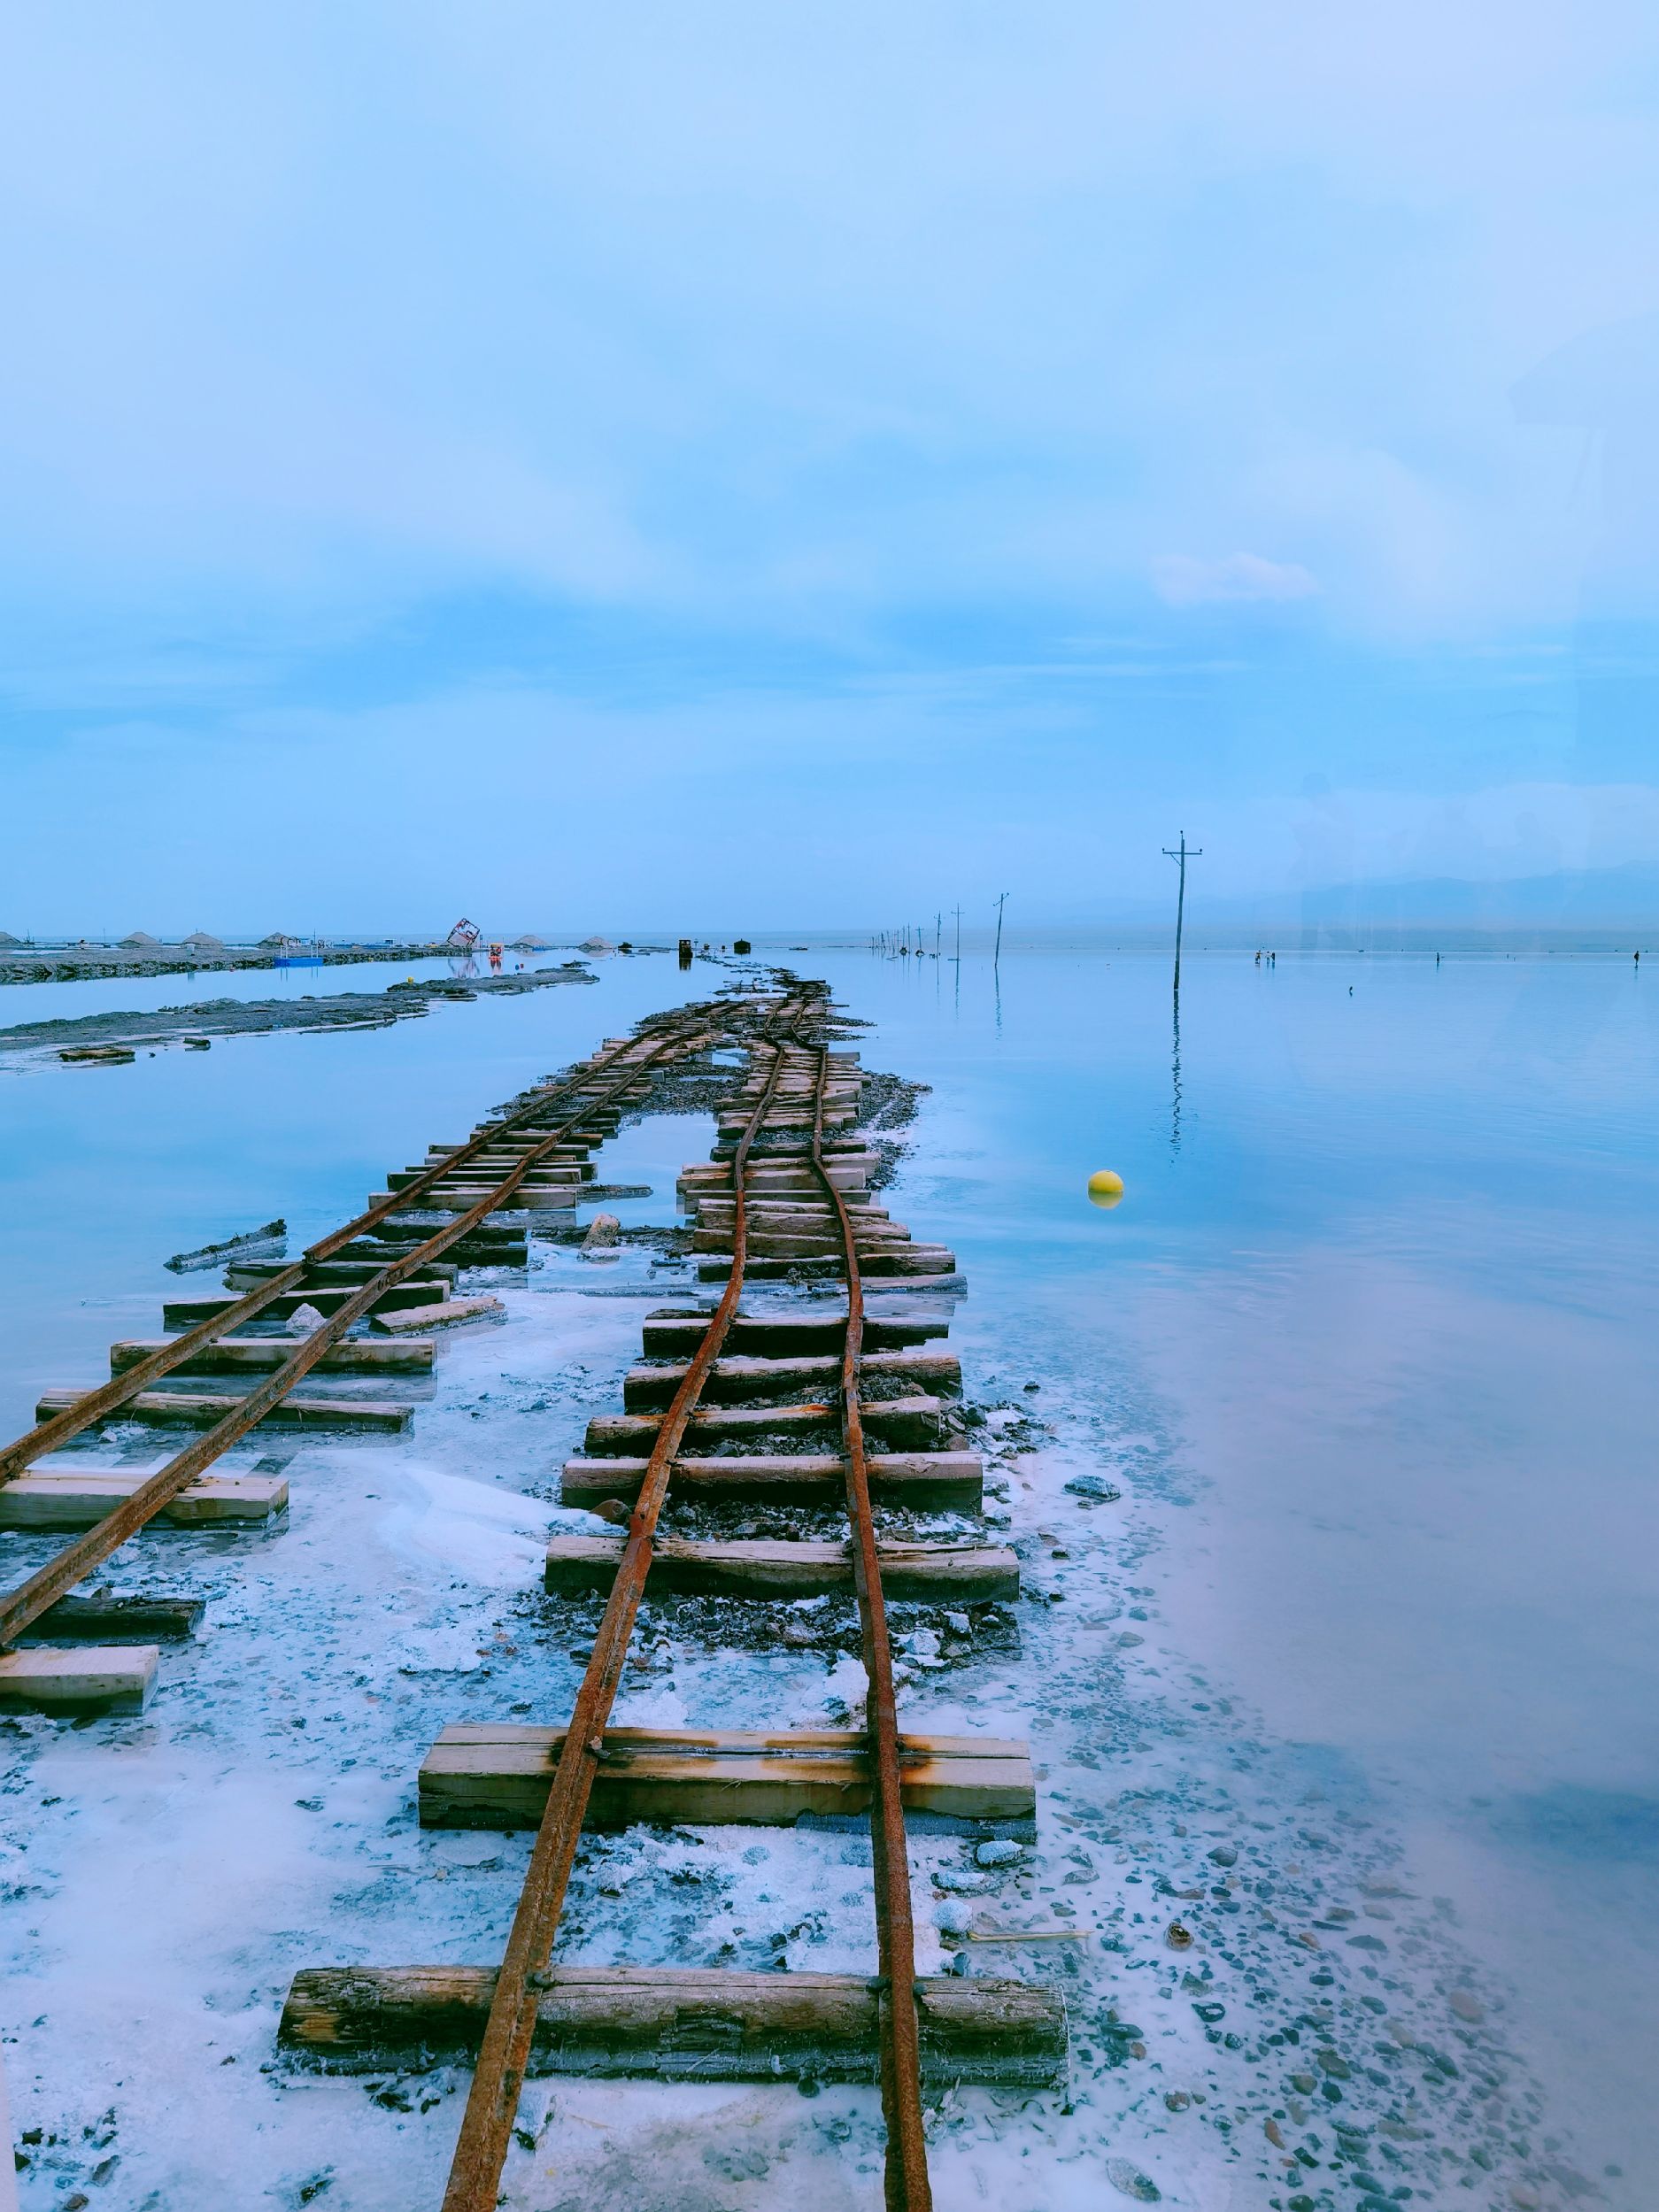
[1383, 1290]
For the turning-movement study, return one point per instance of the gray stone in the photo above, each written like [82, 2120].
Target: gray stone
[1094, 1486]
[998, 1853]
[1131, 2182]
[957, 1884]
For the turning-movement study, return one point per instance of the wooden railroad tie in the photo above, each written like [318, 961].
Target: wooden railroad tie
[676, 2024]
[916, 1423]
[239, 1355]
[496, 1773]
[899, 1260]
[116, 1678]
[745, 1379]
[200, 1410]
[185, 1312]
[769, 1568]
[913, 1479]
[41, 1498]
[672, 1331]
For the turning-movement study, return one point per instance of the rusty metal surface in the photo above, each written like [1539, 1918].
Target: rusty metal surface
[31, 1598]
[47, 1435]
[497, 2079]
[906, 2170]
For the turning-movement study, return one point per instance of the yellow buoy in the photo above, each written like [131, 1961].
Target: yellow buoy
[1106, 1188]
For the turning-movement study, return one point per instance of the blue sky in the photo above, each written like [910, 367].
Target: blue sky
[599, 468]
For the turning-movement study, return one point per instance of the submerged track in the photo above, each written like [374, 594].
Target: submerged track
[784, 1201]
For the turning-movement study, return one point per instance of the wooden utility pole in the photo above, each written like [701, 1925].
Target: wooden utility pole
[1182, 853]
[958, 955]
[996, 957]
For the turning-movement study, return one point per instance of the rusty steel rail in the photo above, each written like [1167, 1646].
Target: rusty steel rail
[907, 2185]
[492, 2103]
[46, 1436]
[31, 1598]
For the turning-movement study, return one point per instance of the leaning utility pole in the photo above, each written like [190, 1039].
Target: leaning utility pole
[996, 957]
[1183, 853]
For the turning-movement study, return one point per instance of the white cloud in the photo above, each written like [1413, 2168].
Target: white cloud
[1180, 580]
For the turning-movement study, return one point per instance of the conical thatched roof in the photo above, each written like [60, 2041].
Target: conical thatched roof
[8, 940]
[141, 941]
[596, 944]
[277, 939]
[203, 941]
[530, 945]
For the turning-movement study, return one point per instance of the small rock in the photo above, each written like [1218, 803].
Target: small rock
[1524, 2197]
[1305, 2083]
[1178, 1938]
[1177, 2099]
[1094, 1486]
[614, 1511]
[303, 1320]
[1131, 2182]
[1333, 2063]
[1224, 1855]
[1271, 2129]
[603, 1231]
[1466, 2004]
[959, 1625]
[1210, 2013]
[998, 1853]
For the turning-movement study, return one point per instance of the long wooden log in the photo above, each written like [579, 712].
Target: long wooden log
[911, 1479]
[676, 2024]
[496, 1775]
[763, 1567]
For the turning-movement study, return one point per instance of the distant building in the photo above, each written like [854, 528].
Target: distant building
[141, 941]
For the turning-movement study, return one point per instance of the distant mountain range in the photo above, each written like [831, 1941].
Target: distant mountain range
[1626, 897]
[1590, 909]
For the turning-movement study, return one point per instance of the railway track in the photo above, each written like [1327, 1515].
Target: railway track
[793, 1390]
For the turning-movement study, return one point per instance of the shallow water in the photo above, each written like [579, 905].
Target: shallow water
[1386, 1270]
[1367, 1344]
